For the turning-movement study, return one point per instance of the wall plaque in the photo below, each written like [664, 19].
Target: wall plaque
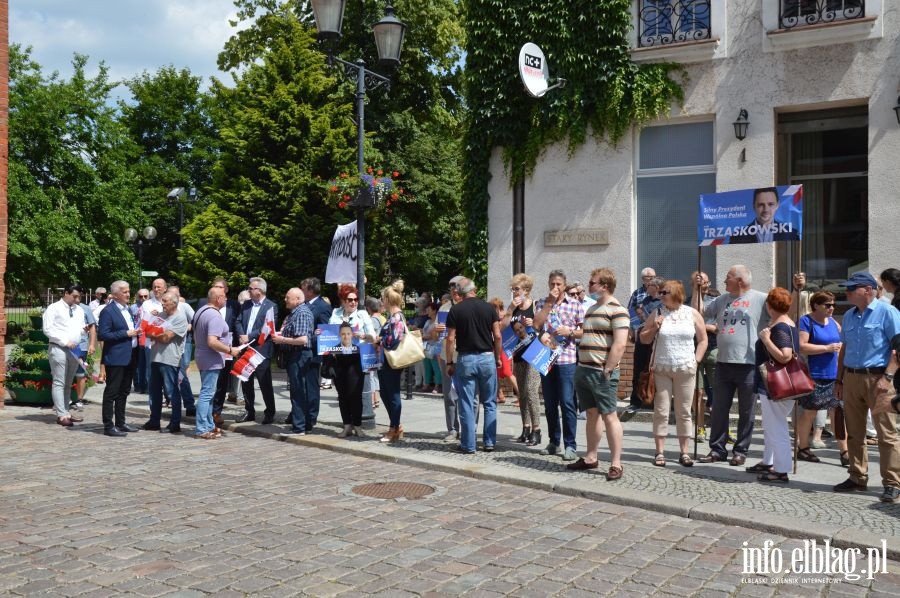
[576, 236]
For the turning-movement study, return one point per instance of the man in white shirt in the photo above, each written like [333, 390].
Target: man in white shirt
[64, 324]
[184, 386]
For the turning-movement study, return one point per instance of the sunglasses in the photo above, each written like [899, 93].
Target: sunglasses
[827, 305]
[143, 296]
[353, 299]
[572, 294]
[515, 288]
[665, 292]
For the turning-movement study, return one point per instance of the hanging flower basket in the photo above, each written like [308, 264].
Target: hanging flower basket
[367, 190]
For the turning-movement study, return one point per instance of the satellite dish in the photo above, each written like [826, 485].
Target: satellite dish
[534, 71]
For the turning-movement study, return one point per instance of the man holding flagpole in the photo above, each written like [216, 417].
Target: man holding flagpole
[256, 323]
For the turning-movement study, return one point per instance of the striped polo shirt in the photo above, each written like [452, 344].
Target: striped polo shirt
[599, 323]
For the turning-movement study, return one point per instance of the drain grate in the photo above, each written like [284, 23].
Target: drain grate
[393, 490]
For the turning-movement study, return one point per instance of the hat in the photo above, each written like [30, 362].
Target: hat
[859, 279]
[456, 279]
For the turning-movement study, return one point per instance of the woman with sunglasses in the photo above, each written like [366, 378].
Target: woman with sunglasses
[354, 314]
[820, 341]
[679, 332]
[528, 381]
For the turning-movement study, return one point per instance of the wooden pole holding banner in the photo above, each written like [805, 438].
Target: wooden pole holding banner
[797, 324]
[697, 382]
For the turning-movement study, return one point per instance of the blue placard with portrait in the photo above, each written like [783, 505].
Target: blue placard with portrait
[761, 215]
[330, 338]
[542, 354]
[442, 319]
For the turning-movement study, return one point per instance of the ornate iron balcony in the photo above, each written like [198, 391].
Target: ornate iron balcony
[800, 13]
[662, 22]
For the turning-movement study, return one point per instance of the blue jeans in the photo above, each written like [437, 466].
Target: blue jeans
[559, 394]
[302, 376]
[204, 421]
[476, 371]
[161, 375]
[187, 394]
[141, 372]
[389, 379]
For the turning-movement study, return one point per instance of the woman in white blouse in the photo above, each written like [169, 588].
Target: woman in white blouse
[680, 336]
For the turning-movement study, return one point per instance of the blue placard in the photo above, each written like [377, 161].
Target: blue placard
[540, 356]
[330, 338]
[442, 319]
[369, 357]
[513, 343]
[760, 215]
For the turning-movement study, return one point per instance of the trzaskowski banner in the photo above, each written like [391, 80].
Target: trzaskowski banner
[761, 215]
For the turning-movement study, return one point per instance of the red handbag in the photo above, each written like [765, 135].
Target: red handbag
[790, 380]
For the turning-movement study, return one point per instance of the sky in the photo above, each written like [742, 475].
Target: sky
[130, 36]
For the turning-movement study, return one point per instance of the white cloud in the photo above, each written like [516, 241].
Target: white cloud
[130, 36]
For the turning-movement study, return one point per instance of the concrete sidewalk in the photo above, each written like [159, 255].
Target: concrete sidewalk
[804, 508]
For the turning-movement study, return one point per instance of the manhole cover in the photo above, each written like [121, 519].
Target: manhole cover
[393, 490]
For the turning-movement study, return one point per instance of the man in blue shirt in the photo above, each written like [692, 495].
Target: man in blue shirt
[865, 374]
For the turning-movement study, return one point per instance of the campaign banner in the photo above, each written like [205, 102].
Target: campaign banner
[342, 257]
[512, 342]
[762, 215]
[369, 357]
[329, 340]
[543, 354]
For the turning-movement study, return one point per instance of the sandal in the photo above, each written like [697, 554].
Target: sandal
[685, 460]
[615, 473]
[773, 476]
[805, 454]
[759, 468]
[659, 460]
[845, 458]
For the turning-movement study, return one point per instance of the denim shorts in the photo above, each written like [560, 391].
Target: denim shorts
[595, 391]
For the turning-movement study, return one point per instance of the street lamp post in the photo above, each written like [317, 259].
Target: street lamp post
[389, 32]
[131, 235]
[177, 193]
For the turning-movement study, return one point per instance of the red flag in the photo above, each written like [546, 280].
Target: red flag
[268, 327]
[246, 364]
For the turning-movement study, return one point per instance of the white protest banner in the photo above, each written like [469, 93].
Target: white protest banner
[342, 257]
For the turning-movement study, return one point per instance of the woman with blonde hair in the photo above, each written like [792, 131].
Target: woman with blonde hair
[680, 336]
[392, 333]
[528, 380]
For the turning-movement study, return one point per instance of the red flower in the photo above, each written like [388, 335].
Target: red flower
[342, 205]
[380, 172]
[395, 174]
[394, 196]
[346, 197]
[369, 170]
[334, 189]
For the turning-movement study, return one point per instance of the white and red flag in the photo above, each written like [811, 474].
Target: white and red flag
[246, 364]
[268, 327]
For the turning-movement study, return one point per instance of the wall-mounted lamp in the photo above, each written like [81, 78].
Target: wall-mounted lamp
[897, 110]
[741, 124]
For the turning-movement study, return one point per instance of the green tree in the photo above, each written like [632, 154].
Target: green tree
[168, 118]
[69, 181]
[287, 128]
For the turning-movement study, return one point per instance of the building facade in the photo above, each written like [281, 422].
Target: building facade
[819, 81]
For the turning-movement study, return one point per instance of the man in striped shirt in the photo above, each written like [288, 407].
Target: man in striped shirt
[603, 339]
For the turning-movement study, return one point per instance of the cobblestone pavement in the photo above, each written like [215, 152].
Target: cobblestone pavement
[155, 514]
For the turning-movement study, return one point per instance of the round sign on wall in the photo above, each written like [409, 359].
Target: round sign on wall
[533, 69]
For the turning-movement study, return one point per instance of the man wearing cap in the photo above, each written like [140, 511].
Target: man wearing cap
[865, 375]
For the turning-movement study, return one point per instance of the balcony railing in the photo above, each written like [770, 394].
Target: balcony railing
[800, 13]
[662, 22]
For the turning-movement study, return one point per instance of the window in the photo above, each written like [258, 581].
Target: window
[663, 22]
[675, 166]
[827, 152]
[797, 13]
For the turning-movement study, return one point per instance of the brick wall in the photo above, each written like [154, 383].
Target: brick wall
[4, 174]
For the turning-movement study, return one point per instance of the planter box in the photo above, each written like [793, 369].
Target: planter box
[30, 396]
[41, 364]
[37, 322]
[32, 346]
[36, 377]
[37, 335]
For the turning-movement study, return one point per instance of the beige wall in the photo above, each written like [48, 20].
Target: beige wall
[594, 188]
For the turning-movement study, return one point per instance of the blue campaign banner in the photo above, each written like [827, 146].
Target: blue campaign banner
[762, 215]
[330, 338]
[369, 357]
[543, 354]
[510, 340]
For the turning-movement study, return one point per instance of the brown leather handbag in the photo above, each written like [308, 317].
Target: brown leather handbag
[646, 381]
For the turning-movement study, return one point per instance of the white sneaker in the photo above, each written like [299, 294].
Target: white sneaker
[451, 437]
[78, 406]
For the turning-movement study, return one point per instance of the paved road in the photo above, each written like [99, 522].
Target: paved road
[154, 514]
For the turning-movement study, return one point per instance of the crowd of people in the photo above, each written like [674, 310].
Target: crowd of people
[702, 343]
